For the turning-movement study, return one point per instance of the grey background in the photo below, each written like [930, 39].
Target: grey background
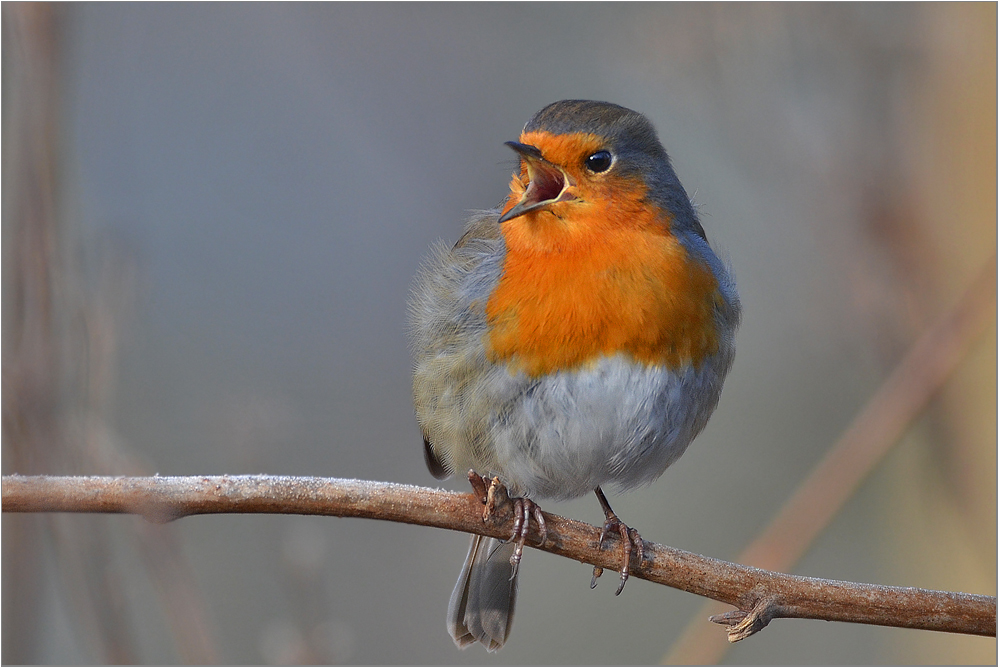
[270, 176]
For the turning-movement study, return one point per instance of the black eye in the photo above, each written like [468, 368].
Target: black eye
[599, 162]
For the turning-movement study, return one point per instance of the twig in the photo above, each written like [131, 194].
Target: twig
[759, 595]
[820, 496]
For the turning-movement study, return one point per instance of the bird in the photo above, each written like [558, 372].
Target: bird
[574, 338]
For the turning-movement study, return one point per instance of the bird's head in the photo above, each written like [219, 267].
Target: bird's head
[586, 163]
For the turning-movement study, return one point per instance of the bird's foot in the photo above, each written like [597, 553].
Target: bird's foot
[631, 543]
[494, 496]
[524, 511]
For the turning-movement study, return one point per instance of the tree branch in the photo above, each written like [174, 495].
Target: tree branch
[900, 400]
[759, 595]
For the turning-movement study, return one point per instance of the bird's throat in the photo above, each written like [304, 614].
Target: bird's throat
[568, 297]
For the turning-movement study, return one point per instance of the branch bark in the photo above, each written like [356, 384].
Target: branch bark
[758, 595]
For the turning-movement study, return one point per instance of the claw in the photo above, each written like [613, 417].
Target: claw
[631, 542]
[540, 521]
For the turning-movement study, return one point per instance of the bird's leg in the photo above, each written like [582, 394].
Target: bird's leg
[631, 541]
[494, 495]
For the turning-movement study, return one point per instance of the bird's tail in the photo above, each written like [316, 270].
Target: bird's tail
[482, 603]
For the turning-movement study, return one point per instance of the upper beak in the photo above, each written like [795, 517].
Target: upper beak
[548, 183]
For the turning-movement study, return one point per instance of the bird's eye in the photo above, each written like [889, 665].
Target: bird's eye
[599, 162]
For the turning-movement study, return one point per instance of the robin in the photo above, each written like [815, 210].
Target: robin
[574, 339]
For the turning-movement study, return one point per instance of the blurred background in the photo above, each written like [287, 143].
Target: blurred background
[212, 214]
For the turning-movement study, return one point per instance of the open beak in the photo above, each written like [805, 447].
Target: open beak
[548, 183]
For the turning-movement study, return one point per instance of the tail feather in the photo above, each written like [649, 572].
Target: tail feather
[482, 604]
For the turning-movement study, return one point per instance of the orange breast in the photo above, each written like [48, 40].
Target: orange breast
[605, 276]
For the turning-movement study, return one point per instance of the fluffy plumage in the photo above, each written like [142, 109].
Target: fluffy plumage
[577, 338]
